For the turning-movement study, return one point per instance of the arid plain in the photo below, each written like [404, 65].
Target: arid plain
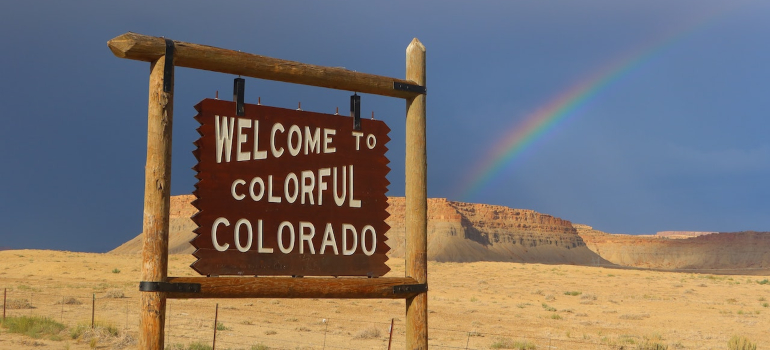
[475, 305]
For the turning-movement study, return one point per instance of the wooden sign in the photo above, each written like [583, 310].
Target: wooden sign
[288, 192]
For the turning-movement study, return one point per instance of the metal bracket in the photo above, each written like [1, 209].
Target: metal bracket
[355, 111]
[410, 87]
[239, 86]
[168, 67]
[410, 288]
[169, 287]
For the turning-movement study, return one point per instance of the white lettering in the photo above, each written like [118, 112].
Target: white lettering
[329, 240]
[339, 200]
[260, 246]
[306, 237]
[280, 237]
[270, 197]
[294, 130]
[322, 185]
[242, 124]
[368, 228]
[358, 135]
[237, 235]
[224, 135]
[277, 152]
[257, 153]
[236, 196]
[307, 189]
[291, 198]
[328, 133]
[312, 141]
[371, 141]
[254, 181]
[218, 247]
[345, 229]
[354, 203]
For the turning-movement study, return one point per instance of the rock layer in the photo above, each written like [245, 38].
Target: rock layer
[463, 232]
[457, 232]
[747, 250]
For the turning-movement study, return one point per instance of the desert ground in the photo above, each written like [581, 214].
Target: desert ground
[478, 305]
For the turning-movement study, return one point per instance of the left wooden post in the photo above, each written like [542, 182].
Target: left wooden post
[157, 183]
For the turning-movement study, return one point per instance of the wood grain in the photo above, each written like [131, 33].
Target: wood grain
[416, 201]
[286, 287]
[157, 183]
[149, 48]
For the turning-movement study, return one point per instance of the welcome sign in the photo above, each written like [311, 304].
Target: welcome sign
[288, 192]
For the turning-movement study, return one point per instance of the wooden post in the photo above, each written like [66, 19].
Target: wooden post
[148, 48]
[416, 201]
[216, 320]
[5, 293]
[157, 183]
[93, 309]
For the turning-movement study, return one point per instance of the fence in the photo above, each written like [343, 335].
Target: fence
[194, 324]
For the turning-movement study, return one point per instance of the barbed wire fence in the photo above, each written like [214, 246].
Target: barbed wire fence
[237, 328]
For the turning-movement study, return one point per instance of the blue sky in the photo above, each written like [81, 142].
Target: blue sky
[679, 143]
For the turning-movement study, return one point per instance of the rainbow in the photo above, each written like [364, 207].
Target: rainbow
[569, 104]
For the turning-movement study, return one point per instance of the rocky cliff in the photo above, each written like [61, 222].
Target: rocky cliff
[460, 232]
[456, 232]
[681, 234]
[718, 251]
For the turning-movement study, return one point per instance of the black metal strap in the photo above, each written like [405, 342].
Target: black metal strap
[409, 87]
[239, 87]
[410, 288]
[169, 287]
[355, 111]
[168, 67]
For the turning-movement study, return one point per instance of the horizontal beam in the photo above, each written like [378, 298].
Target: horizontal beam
[284, 287]
[149, 48]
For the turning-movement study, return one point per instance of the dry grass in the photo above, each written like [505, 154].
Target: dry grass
[368, 333]
[68, 301]
[474, 303]
[18, 304]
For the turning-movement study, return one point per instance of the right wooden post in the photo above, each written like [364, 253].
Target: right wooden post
[416, 200]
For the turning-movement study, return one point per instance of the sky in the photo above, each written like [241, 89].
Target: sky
[628, 116]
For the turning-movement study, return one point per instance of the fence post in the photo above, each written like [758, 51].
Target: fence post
[5, 293]
[216, 316]
[390, 336]
[93, 307]
[467, 342]
[326, 322]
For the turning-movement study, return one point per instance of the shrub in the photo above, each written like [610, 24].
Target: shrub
[368, 333]
[548, 308]
[115, 270]
[764, 281]
[633, 316]
[33, 326]
[740, 343]
[259, 347]
[505, 343]
[114, 293]
[68, 301]
[652, 345]
[573, 293]
[198, 346]
[18, 304]
[100, 331]
[221, 327]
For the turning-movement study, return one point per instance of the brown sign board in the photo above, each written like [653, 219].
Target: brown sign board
[289, 192]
